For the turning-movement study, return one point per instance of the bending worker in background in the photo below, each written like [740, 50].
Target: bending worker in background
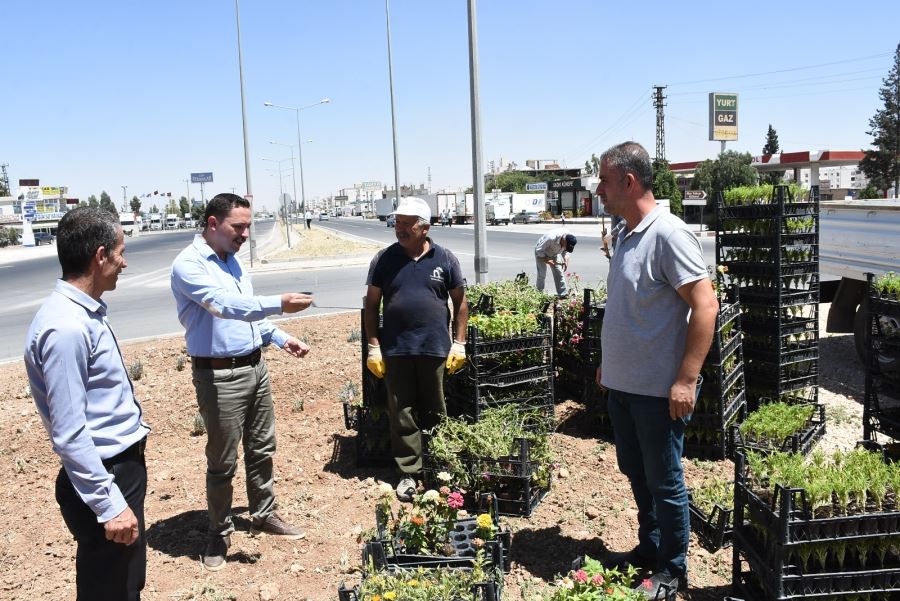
[657, 328]
[415, 277]
[553, 249]
[225, 328]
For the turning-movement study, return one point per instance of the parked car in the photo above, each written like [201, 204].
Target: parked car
[43, 238]
[391, 220]
[323, 217]
[523, 217]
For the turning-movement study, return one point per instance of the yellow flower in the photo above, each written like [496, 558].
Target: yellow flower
[390, 595]
[376, 598]
[412, 582]
[484, 521]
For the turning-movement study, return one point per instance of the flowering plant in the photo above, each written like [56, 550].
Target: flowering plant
[570, 316]
[593, 582]
[425, 526]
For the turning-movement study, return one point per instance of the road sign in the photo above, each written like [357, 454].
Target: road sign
[536, 187]
[694, 195]
[694, 202]
[202, 178]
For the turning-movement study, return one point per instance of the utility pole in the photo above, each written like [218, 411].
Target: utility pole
[387, 16]
[124, 199]
[659, 104]
[249, 185]
[481, 256]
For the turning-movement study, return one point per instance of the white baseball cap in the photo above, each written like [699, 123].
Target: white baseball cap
[414, 207]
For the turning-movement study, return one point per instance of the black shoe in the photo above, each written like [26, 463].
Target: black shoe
[622, 559]
[406, 489]
[216, 550]
[662, 585]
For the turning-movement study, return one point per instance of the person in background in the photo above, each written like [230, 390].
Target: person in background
[412, 350]
[225, 329]
[657, 328]
[307, 215]
[86, 402]
[553, 249]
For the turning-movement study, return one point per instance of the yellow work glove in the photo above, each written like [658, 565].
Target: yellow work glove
[457, 357]
[374, 361]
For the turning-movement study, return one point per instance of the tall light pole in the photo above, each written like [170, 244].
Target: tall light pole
[124, 198]
[249, 195]
[293, 168]
[284, 210]
[187, 187]
[387, 16]
[297, 110]
[481, 257]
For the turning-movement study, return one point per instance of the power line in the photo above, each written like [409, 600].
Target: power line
[788, 70]
[621, 121]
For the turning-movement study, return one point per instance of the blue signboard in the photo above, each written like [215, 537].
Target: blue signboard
[202, 178]
[535, 186]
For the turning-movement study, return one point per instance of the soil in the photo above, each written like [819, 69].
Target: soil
[319, 487]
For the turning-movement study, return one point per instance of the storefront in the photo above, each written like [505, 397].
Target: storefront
[573, 197]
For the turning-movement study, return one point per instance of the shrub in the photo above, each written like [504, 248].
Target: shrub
[136, 370]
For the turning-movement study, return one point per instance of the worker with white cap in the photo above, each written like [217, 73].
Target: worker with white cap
[414, 277]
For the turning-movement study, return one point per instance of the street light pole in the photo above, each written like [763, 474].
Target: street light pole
[297, 110]
[124, 198]
[387, 15]
[249, 195]
[293, 168]
[481, 257]
[284, 212]
[187, 186]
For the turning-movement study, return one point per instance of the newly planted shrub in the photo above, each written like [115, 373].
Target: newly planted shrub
[775, 422]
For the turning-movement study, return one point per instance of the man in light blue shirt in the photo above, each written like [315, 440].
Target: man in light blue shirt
[552, 250]
[225, 327]
[86, 401]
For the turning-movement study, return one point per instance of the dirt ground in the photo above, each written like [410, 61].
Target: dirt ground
[318, 485]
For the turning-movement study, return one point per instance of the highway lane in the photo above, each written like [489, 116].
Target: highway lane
[142, 305]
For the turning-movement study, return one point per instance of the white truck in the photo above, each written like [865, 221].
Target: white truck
[497, 211]
[155, 221]
[171, 221]
[856, 237]
[383, 207]
[129, 223]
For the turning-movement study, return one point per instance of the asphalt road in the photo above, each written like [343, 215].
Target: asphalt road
[142, 305]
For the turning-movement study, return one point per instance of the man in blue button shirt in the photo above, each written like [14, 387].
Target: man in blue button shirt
[225, 327]
[86, 401]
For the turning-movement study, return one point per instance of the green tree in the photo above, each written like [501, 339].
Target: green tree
[184, 205]
[510, 181]
[882, 164]
[92, 201]
[135, 205]
[771, 147]
[730, 170]
[154, 209]
[666, 186]
[107, 203]
[869, 192]
[197, 213]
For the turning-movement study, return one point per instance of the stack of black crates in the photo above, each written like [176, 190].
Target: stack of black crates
[881, 413]
[770, 248]
[514, 369]
[722, 398]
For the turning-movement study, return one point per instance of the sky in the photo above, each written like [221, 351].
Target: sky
[104, 94]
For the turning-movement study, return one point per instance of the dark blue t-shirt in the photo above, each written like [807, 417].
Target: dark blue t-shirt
[415, 293]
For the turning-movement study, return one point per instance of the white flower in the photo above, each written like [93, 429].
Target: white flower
[385, 489]
[431, 496]
[444, 476]
[462, 514]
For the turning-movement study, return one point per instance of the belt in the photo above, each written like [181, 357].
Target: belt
[227, 362]
[135, 451]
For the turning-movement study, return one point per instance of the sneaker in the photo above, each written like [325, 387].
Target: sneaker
[662, 585]
[276, 526]
[406, 489]
[622, 559]
[216, 550]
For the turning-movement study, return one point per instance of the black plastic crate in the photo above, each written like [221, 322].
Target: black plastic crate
[662, 593]
[510, 480]
[799, 442]
[483, 591]
[466, 398]
[385, 554]
[769, 210]
[752, 269]
[714, 531]
[781, 240]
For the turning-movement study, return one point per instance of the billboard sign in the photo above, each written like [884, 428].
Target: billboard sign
[723, 121]
[202, 178]
[536, 187]
[371, 186]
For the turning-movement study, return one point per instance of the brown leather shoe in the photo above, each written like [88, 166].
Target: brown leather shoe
[275, 526]
[216, 551]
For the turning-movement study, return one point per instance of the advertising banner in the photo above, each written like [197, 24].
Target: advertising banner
[723, 122]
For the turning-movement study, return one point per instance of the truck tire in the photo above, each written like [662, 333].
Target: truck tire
[888, 359]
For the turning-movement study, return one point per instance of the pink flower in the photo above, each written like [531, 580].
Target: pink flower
[580, 576]
[597, 579]
[455, 500]
[647, 584]
[444, 490]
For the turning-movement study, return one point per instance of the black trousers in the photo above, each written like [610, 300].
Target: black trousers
[108, 571]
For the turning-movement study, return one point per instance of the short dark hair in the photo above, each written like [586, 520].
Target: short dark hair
[80, 233]
[221, 204]
[630, 157]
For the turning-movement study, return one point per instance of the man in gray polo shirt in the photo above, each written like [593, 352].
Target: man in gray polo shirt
[658, 326]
